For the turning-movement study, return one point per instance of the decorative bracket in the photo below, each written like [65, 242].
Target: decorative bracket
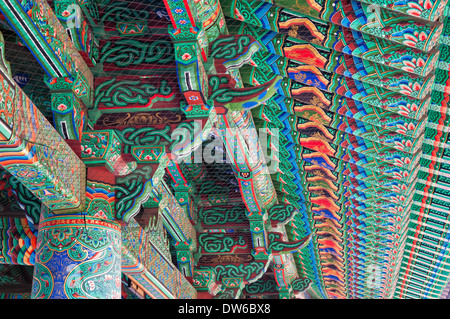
[104, 148]
[279, 246]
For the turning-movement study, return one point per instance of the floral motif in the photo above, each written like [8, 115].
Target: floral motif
[416, 9]
[399, 188]
[86, 150]
[65, 13]
[407, 109]
[404, 128]
[398, 199]
[412, 39]
[186, 56]
[62, 107]
[401, 145]
[400, 175]
[402, 161]
[413, 64]
[238, 15]
[410, 88]
[91, 285]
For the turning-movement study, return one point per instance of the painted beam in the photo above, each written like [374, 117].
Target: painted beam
[33, 151]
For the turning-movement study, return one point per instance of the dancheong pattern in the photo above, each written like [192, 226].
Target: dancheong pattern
[224, 149]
